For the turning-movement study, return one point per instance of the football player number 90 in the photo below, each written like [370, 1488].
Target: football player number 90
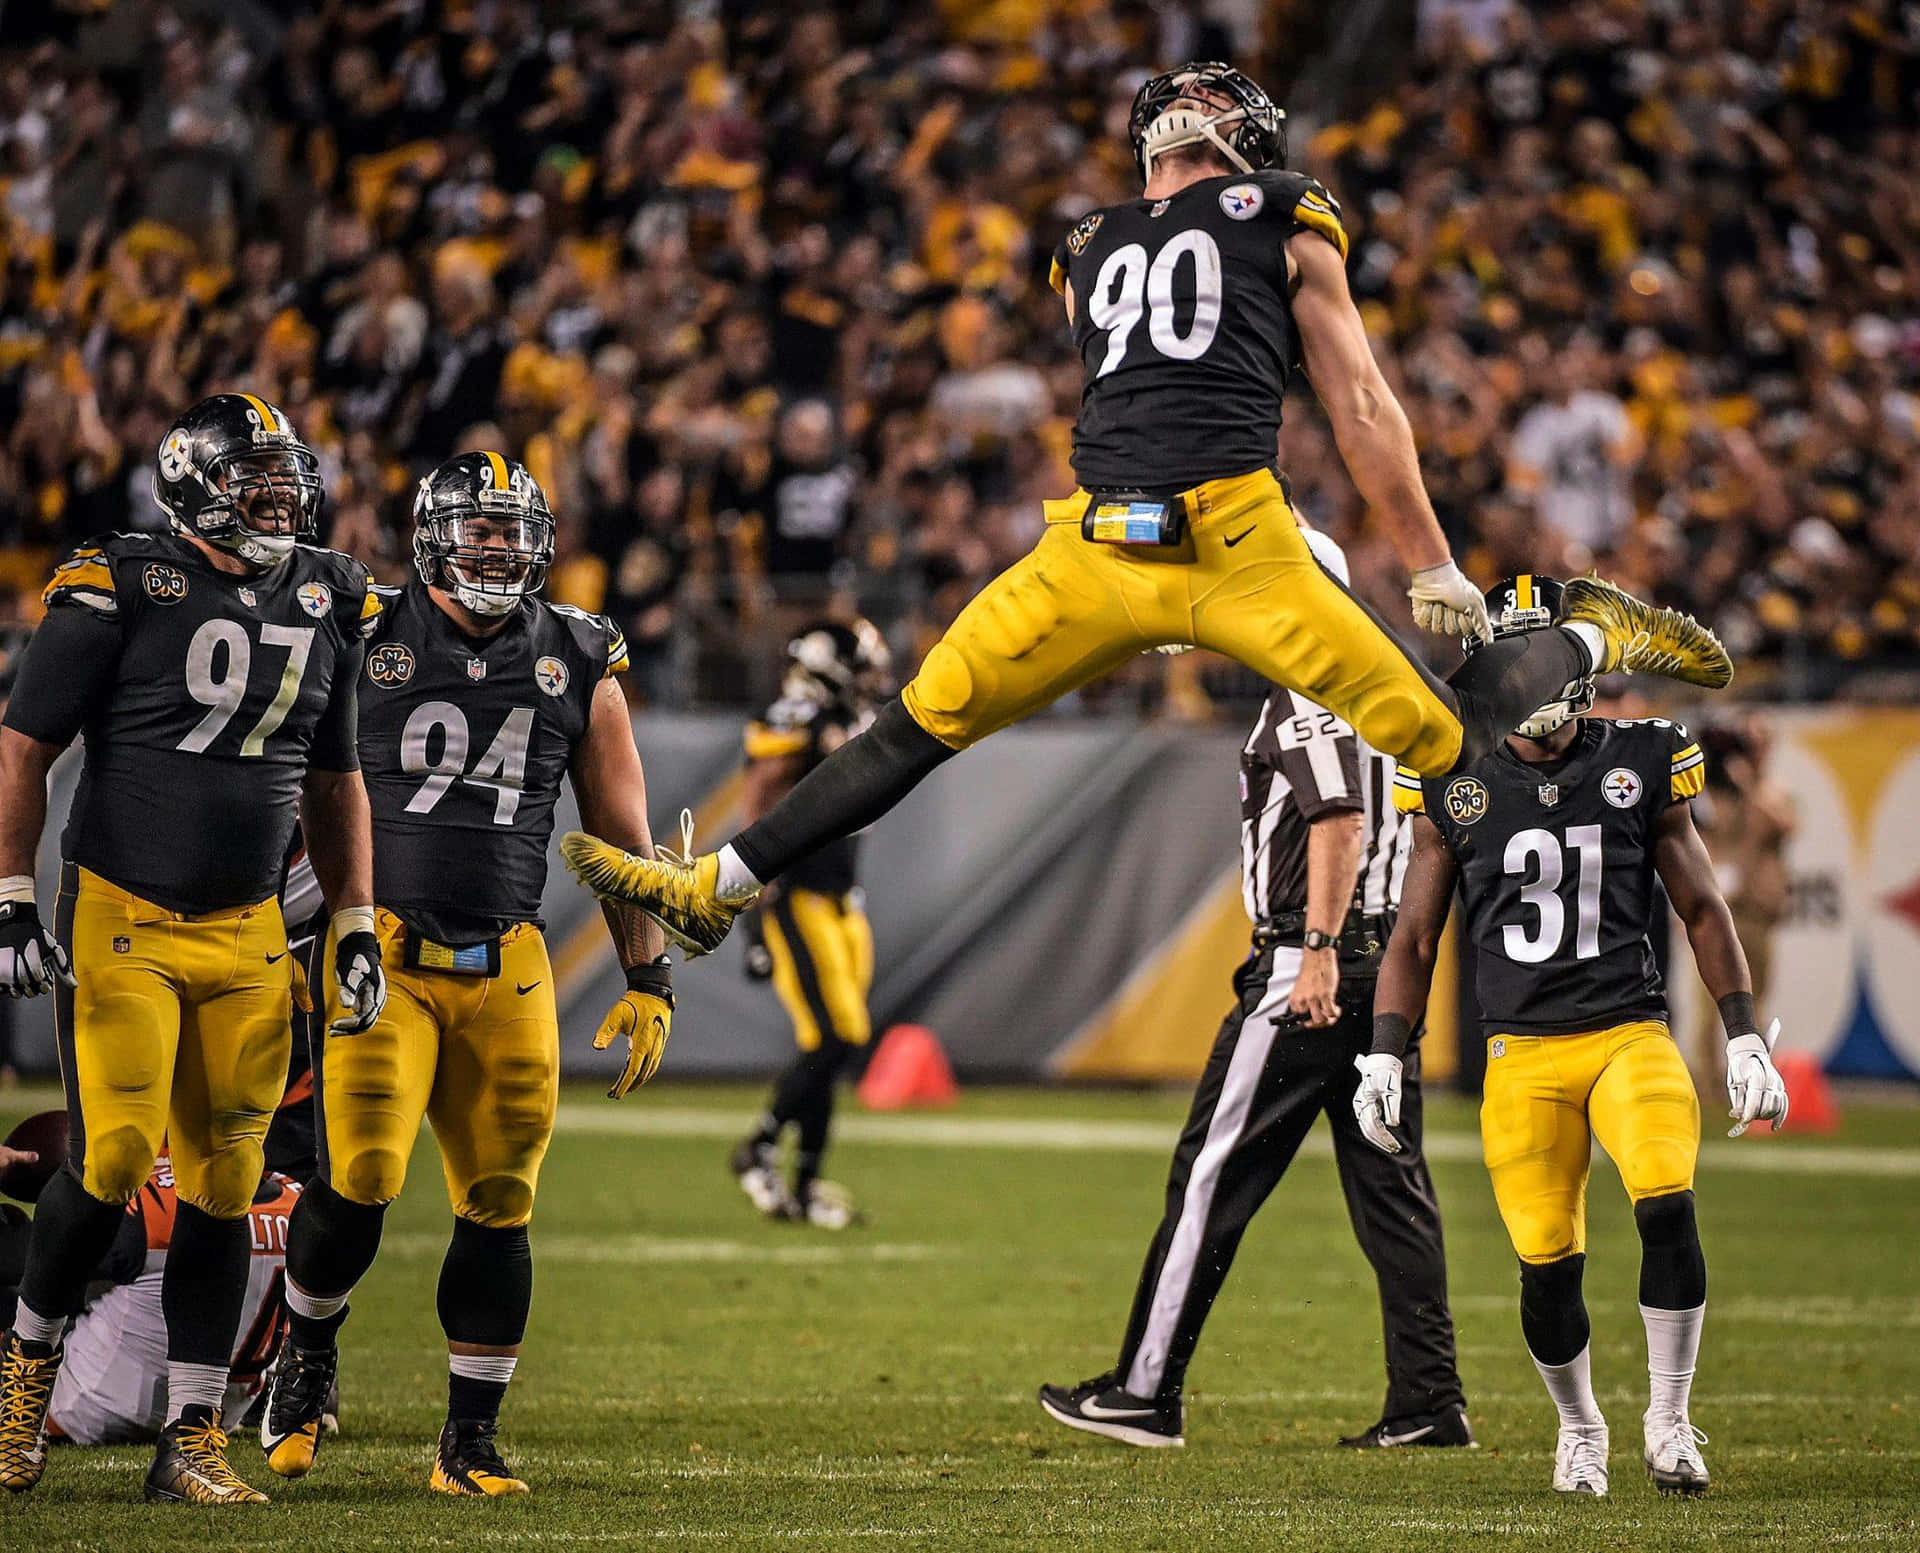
[218, 680]
[503, 768]
[1128, 285]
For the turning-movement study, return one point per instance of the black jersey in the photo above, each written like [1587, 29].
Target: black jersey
[1557, 871]
[465, 742]
[203, 698]
[1184, 321]
[812, 729]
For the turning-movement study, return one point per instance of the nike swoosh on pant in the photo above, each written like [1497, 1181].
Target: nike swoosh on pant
[523, 991]
[1230, 543]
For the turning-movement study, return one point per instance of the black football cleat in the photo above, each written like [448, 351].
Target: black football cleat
[1103, 1406]
[298, 1391]
[1448, 1427]
[190, 1464]
[468, 1462]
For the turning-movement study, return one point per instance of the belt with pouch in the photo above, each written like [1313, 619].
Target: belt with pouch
[420, 953]
[1362, 935]
[1132, 517]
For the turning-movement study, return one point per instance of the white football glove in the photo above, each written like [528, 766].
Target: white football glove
[357, 968]
[1755, 1090]
[31, 958]
[1447, 604]
[1376, 1103]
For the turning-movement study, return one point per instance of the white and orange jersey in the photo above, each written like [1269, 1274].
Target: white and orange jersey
[113, 1383]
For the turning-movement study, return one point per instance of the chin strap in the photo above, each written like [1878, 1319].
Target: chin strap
[1179, 127]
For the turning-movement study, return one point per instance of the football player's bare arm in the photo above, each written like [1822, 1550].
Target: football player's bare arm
[24, 764]
[1374, 437]
[611, 787]
[338, 824]
[1686, 870]
[1334, 843]
[1406, 971]
[1066, 296]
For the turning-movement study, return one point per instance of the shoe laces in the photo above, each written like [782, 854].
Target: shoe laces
[205, 1447]
[473, 1446]
[681, 857]
[24, 1400]
[1679, 1435]
[300, 1390]
[1586, 1452]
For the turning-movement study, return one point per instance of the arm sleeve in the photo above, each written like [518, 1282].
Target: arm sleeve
[68, 668]
[1320, 759]
[336, 742]
[1689, 767]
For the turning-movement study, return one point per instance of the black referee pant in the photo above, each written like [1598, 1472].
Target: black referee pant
[1263, 1089]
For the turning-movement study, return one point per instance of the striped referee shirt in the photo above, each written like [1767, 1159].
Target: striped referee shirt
[1302, 762]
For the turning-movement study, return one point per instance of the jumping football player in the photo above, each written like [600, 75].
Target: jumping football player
[479, 699]
[813, 941]
[1191, 307]
[212, 670]
[1555, 840]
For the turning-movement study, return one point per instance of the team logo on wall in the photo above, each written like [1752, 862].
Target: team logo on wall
[1242, 201]
[1621, 787]
[164, 584]
[1466, 800]
[550, 674]
[390, 664]
[1549, 795]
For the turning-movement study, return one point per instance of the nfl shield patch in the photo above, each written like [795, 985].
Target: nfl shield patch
[122, 945]
[476, 668]
[1549, 794]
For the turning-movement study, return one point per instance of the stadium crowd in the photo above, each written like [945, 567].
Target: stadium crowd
[760, 295]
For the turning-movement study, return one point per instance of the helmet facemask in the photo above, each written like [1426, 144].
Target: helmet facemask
[1211, 105]
[490, 550]
[264, 502]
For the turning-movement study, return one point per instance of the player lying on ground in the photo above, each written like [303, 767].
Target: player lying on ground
[811, 938]
[1322, 853]
[212, 670]
[1192, 306]
[1555, 840]
[112, 1388]
[480, 698]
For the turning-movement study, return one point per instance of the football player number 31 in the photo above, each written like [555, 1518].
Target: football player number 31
[221, 689]
[503, 768]
[1128, 285]
[1535, 856]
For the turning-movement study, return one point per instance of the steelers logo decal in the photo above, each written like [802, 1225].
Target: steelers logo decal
[176, 455]
[1621, 787]
[1242, 201]
[164, 585]
[316, 598]
[550, 674]
[390, 664]
[1466, 800]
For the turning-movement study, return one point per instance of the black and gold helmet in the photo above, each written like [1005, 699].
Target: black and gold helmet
[1532, 602]
[1239, 120]
[233, 472]
[482, 530]
[844, 661]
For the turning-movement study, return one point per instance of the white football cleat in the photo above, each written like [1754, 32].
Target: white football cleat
[829, 1205]
[1674, 1461]
[1580, 1460]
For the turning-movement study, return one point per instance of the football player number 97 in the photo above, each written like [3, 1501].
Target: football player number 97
[222, 692]
[1127, 278]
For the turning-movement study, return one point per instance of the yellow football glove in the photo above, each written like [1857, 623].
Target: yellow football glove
[643, 1015]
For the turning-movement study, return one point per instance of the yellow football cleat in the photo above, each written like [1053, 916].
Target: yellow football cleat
[1645, 639]
[467, 1463]
[190, 1464]
[679, 892]
[26, 1392]
[294, 1417]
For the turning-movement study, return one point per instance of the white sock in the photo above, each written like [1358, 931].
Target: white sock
[1571, 1387]
[736, 880]
[32, 1327]
[191, 1384]
[1673, 1347]
[315, 1307]
[496, 1367]
[1593, 639]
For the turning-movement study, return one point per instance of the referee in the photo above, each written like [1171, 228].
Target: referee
[1322, 854]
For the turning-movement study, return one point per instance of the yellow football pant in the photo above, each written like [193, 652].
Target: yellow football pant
[1244, 584]
[177, 1034]
[1548, 1096]
[478, 1056]
[822, 949]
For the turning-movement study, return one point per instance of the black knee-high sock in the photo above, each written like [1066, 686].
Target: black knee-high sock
[846, 792]
[1553, 1315]
[486, 1291]
[204, 1286]
[812, 1108]
[331, 1242]
[1673, 1268]
[72, 1231]
[1503, 683]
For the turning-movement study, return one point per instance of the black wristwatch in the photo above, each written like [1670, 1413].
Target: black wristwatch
[1313, 938]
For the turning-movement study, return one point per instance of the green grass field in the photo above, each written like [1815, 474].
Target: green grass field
[695, 1376]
